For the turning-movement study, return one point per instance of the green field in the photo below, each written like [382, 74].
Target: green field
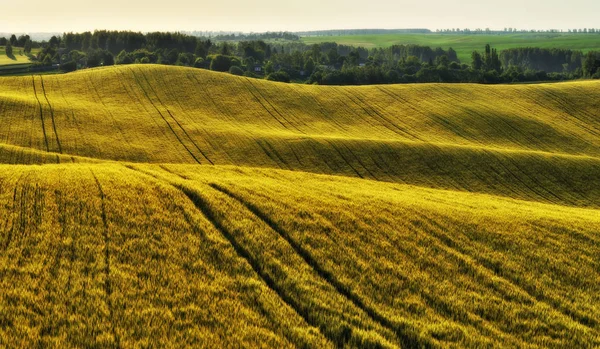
[160, 206]
[466, 44]
[18, 58]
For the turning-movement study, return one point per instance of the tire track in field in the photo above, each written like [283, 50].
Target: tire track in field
[308, 96]
[203, 206]
[501, 160]
[265, 108]
[223, 110]
[41, 114]
[277, 161]
[112, 117]
[9, 235]
[106, 237]
[174, 119]
[437, 230]
[344, 158]
[311, 142]
[51, 116]
[407, 339]
[564, 105]
[481, 114]
[374, 113]
[163, 117]
[269, 149]
[272, 106]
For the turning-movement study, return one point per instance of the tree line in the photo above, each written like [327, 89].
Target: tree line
[324, 63]
[488, 31]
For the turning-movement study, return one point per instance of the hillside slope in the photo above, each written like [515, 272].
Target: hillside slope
[176, 255]
[180, 207]
[537, 142]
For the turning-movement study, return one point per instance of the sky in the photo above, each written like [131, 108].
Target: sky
[270, 15]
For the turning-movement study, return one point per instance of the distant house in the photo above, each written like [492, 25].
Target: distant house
[361, 65]
[258, 68]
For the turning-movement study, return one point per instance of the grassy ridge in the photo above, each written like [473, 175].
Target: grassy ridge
[103, 255]
[166, 213]
[535, 142]
[466, 44]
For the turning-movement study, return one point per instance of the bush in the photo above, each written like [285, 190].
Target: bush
[124, 58]
[279, 76]
[220, 63]
[199, 63]
[235, 70]
[68, 66]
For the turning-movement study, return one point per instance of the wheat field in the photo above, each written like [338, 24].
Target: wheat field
[178, 207]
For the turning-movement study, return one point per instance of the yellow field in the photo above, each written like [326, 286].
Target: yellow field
[192, 208]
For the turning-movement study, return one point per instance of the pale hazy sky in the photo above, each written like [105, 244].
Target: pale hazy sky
[271, 15]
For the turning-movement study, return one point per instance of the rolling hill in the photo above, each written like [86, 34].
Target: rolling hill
[183, 207]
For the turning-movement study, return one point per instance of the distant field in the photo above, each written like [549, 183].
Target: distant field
[180, 207]
[466, 44]
[5, 60]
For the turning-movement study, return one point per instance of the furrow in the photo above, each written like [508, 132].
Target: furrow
[174, 119]
[437, 231]
[205, 208]
[406, 336]
[163, 117]
[106, 237]
[51, 116]
[41, 115]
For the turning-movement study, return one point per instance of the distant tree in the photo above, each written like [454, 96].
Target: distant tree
[476, 60]
[442, 61]
[309, 66]
[452, 55]
[124, 58]
[487, 57]
[9, 50]
[3, 41]
[199, 62]
[47, 61]
[269, 67]
[13, 40]
[249, 63]
[235, 70]
[94, 58]
[225, 49]
[185, 59]
[333, 56]
[236, 62]
[27, 47]
[55, 41]
[22, 40]
[392, 77]
[220, 63]
[591, 64]
[68, 66]
[170, 57]
[202, 48]
[108, 58]
[280, 76]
